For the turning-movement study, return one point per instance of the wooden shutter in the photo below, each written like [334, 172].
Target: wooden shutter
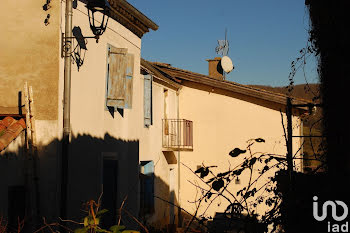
[129, 80]
[116, 85]
[147, 104]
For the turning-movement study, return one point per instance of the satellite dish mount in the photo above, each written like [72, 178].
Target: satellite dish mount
[222, 49]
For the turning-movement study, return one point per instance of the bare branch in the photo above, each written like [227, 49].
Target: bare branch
[132, 216]
[68, 220]
[120, 209]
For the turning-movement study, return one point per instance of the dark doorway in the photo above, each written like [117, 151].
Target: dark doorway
[109, 198]
[16, 206]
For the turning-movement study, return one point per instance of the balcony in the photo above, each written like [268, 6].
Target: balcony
[177, 135]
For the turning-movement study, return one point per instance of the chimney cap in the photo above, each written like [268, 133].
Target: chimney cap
[214, 59]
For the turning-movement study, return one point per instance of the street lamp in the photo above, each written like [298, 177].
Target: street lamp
[93, 6]
[103, 7]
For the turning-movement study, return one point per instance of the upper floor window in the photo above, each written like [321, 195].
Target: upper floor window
[120, 69]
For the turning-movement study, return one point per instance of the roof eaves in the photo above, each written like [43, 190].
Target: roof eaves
[159, 74]
[130, 17]
[148, 22]
[228, 85]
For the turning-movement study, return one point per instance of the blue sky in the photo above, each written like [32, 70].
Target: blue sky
[264, 37]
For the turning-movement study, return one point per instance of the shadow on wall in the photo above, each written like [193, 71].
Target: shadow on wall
[109, 166]
[158, 203]
[96, 165]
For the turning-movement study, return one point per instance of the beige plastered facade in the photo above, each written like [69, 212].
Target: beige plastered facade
[29, 52]
[223, 121]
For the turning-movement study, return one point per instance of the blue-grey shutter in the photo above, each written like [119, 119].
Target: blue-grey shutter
[148, 195]
[116, 85]
[147, 100]
[148, 168]
[129, 80]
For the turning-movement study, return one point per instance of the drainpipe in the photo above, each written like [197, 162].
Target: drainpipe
[179, 221]
[66, 107]
[289, 114]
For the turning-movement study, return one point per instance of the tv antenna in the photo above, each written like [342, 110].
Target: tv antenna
[222, 49]
[223, 46]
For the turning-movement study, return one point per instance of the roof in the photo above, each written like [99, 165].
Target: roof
[179, 75]
[10, 128]
[158, 74]
[131, 18]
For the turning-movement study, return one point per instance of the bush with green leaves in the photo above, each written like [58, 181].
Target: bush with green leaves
[91, 223]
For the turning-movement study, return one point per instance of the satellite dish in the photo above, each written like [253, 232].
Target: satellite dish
[226, 64]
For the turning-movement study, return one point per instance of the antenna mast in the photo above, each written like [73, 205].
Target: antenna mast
[222, 49]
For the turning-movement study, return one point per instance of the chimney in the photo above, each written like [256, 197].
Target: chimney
[215, 69]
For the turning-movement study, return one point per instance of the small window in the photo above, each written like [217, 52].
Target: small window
[147, 100]
[120, 68]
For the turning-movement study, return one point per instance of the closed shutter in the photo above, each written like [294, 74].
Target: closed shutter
[128, 80]
[116, 77]
[147, 195]
[147, 100]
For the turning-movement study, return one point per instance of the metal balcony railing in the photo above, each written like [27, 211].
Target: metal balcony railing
[177, 134]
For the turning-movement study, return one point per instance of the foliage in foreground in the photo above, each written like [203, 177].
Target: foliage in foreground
[241, 210]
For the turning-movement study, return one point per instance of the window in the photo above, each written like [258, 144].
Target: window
[147, 100]
[120, 68]
[147, 187]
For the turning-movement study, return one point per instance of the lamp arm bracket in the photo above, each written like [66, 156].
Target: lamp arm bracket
[66, 45]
